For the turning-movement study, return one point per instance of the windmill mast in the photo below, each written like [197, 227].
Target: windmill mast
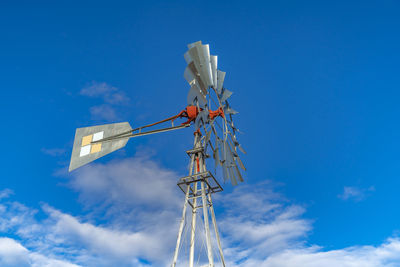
[198, 187]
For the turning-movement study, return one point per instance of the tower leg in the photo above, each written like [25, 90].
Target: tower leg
[193, 229]
[216, 230]
[182, 223]
[207, 225]
[178, 241]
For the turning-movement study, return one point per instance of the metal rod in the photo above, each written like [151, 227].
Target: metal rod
[214, 220]
[193, 229]
[111, 138]
[194, 209]
[206, 223]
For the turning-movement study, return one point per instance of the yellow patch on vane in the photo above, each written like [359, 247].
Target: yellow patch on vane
[95, 148]
[86, 140]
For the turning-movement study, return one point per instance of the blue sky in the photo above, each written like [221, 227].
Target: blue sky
[316, 84]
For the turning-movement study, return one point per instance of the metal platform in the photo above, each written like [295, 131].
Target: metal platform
[212, 184]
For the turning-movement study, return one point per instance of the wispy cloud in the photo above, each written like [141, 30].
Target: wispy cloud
[108, 93]
[355, 193]
[5, 193]
[111, 96]
[258, 222]
[54, 152]
[103, 112]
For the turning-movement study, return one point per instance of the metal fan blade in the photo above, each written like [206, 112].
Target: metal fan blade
[193, 59]
[225, 172]
[214, 63]
[194, 94]
[204, 115]
[232, 175]
[232, 125]
[241, 149]
[187, 55]
[233, 165]
[234, 153]
[223, 154]
[239, 175]
[208, 136]
[197, 123]
[200, 56]
[194, 44]
[202, 118]
[234, 140]
[205, 64]
[231, 154]
[240, 163]
[230, 111]
[225, 95]
[216, 156]
[220, 80]
[192, 76]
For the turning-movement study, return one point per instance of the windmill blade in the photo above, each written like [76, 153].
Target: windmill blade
[223, 161]
[202, 118]
[208, 136]
[234, 140]
[84, 151]
[199, 55]
[229, 111]
[194, 44]
[220, 80]
[225, 95]
[240, 163]
[239, 175]
[235, 154]
[192, 76]
[205, 62]
[225, 172]
[230, 123]
[214, 64]
[195, 94]
[231, 157]
[242, 149]
[216, 155]
[232, 175]
[221, 146]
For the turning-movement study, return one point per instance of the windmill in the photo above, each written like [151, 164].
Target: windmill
[211, 115]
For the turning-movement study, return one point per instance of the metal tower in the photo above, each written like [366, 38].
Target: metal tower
[198, 187]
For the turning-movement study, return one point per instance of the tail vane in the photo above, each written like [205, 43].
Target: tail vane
[85, 151]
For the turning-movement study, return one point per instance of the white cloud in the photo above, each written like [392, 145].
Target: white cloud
[128, 183]
[54, 151]
[6, 193]
[135, 208]
[103, 112]
[13, 254]
[387, 254]
[112, 97]
[258, 222]
[110, 94]
[355, 193]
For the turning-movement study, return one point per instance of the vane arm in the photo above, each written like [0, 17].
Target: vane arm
[130, 134]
